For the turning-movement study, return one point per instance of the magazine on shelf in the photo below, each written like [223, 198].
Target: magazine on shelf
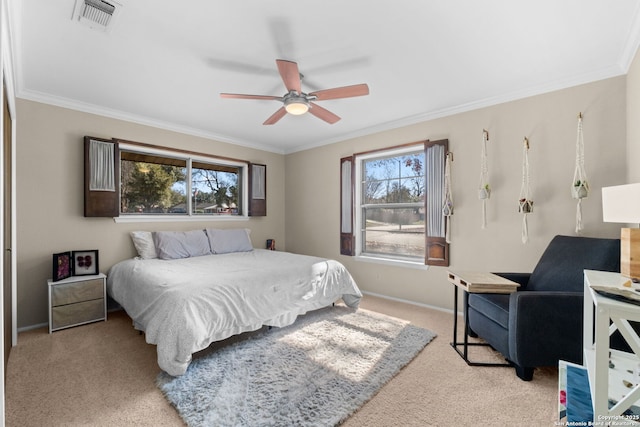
[626, 291]
[574, 395]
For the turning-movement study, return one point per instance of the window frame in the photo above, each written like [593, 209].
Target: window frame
[360, 207]
[189, 157]
[351, 234]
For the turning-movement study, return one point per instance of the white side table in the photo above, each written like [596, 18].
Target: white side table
[77, 300]
[610, 315]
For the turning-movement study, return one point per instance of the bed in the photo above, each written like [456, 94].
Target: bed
[185, 304]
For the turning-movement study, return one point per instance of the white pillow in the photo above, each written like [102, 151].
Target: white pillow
[143, 241]
[181, 244]
[226, 241]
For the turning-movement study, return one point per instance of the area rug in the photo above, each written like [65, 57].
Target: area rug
[315, 372]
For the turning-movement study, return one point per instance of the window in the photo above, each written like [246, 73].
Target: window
[391, 205]
[393, 198]
[129, 180]
[165, 183]
[152, 184]
[215, 189]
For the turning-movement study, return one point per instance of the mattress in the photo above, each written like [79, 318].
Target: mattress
[184, 305]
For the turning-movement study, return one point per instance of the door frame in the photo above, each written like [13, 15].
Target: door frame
[5, 98]
[7, 84]
[7, 90]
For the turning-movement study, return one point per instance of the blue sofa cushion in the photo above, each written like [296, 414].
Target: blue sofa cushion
[562, 265]
[493, 306]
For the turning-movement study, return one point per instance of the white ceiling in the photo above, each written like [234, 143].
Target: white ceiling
[164, 63]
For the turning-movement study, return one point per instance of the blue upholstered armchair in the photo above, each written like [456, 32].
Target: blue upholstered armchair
[542, 322]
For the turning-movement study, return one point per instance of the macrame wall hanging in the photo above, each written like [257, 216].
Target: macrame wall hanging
[484, 189]
[525, 202]
[580, 185]
[447, 205]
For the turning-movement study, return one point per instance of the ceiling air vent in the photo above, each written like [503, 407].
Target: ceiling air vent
[97, 14]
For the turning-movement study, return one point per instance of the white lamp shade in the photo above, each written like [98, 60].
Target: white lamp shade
[621, 203]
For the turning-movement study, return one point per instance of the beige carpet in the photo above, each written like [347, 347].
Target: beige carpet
[103, 374]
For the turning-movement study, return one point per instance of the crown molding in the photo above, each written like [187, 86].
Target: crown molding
[72, 104]
[633, 42]
[559, 84]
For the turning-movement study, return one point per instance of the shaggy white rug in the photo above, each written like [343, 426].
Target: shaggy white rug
[315, 372]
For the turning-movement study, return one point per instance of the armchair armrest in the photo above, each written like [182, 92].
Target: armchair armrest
[545, 327]
[521, 278]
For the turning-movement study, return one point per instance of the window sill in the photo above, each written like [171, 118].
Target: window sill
[390, 261]
[176, 218]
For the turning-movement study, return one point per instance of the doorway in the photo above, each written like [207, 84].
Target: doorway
[7, 228]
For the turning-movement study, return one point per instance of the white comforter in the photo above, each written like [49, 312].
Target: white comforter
[184, 305]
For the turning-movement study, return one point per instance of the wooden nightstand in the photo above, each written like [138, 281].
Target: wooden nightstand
[77, 300]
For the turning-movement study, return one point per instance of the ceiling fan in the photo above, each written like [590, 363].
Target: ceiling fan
[297, 102]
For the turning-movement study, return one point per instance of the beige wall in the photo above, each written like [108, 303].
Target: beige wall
[50, 188]
[50, 195]
[549, 122]
[633, 122]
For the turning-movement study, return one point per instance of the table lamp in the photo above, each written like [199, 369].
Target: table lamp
[621, 203]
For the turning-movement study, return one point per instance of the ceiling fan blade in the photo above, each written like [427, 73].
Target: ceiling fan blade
[276, 116]
[342, 92]
[241, 96]
[290, 75]
[323, 113]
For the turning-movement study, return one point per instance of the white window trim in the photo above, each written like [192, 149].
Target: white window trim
[177, 218]
[189, 217]
[359, 254]
[390, 261]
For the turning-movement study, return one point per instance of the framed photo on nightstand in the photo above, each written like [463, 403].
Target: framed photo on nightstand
[62, 266]
[85, 262]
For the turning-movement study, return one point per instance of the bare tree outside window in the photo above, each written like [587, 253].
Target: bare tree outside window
[215, 191]
[153, 184]
[393, 205]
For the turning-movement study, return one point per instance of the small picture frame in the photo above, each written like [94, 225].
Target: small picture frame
[85, 262]
[62, 266]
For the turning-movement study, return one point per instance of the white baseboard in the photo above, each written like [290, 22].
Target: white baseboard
[432, 307]
[31, 327]
[46, 324]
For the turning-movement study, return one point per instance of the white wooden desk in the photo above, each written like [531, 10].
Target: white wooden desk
[610, 315]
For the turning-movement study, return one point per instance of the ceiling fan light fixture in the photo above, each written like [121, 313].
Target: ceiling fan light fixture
[296, 106]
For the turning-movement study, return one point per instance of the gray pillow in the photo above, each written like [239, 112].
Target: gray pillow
[143, 241]
[181, 244]
[226, 241]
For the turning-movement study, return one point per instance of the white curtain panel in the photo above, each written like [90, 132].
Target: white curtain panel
[258, 185]
[435, 190]
[346, 198]
[101, 160]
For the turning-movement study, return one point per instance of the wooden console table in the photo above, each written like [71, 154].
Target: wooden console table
[481, 283]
